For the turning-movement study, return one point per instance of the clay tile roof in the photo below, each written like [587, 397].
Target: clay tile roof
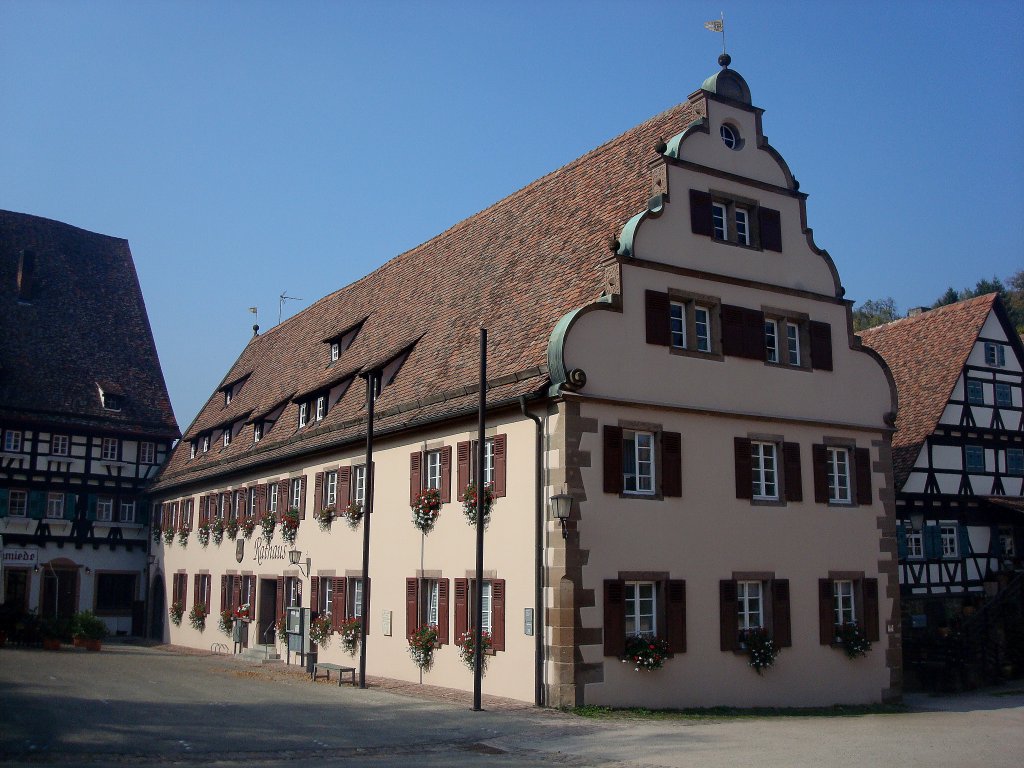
[83, 328]
[926, 355]
[516, 266]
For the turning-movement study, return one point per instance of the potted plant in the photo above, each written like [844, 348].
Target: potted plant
[324, 517]
[217, 530]
[354, 514]
[248, 525]
[320, 630]
[351, 631]
[231, 528]
[421, 646]
[282, 630]
[290, 525]
[469, 503]
[156, 534]
[227, 621]
[197, 617]
[854, 642]
[467, 649]
[426, 510]
[760, 648]
[168, 535]
[203, 534]
[183, 536]
[268, 522]
[646, 654]
[50, 630]
[88, 630]
[176, 611]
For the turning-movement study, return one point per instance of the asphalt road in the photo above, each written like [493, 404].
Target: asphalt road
[138, 706]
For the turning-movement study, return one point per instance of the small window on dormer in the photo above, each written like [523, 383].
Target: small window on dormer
[321, 407]
[111, 402]
[206, 443]
[257, 431]
[995, 354]
[227, 396]
[227, 437]
[193, 449]
[303, 414]
[335, 350]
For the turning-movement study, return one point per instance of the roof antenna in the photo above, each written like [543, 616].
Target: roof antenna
[718, 25]
[280, 305]
[255, 325]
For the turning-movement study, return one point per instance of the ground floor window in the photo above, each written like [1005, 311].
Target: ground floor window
[115, 592]
[16, 587]
[641, 618]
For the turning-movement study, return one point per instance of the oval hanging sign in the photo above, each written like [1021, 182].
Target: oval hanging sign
[239, 550]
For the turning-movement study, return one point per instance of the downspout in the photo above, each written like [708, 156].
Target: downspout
[538, 610]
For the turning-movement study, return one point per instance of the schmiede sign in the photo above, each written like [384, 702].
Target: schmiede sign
[17, 557]
[264, 551]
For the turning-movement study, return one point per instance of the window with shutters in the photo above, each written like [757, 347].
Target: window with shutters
[644, 603]
[494, 464]
[272, 492]
[127, 511]
[325, 595]
[995, 354]
[493, 603]
[55, 505]
[735, 220]
[12, 440]
[330, 489]
[359, 484]
[751, 601]
[842, 473]
[295, 493]
[915, 544]
[975, 458]
[975, 392]
[179, 588]
[750, 606]
[426, 602]
[685, 322]
[844, 609]
[1004, 395]
[641, 614]
[253, 503]
[642, 461]
[17, 503]
[202, 591]
[764, 471]
[486, 611]
[637, 462]
[432, 469]
[839, 476]
[104, 509]
[355, 598]
[847, 597]
[948, 539]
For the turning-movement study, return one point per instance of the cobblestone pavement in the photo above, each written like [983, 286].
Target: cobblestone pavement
[162, 705]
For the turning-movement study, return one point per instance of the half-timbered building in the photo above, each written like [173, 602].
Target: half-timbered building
[958, 464]
[85, 422]
[668, 350]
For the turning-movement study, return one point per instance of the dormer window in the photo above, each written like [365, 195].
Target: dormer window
[193, 449]
[257, 431]
[321, 407]
[303, 414]
[227, 397]
[335, 350]
[111, 402]
[206, 443]
[727, 218]
[227, 437]
[995, 355]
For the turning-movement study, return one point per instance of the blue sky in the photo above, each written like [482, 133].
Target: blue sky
[246, 149]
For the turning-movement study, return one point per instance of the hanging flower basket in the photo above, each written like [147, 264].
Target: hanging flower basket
[168, 536]
[760, 648]
[248, 525]
[421, 646]
[320, 630]
[426, 510]
[290, 525]
[469, 503]
[156, 533]
[217, 530]
[176, 611]
[646, 654]
[203, 534]
[183, 537]
[324, 518]
[268, 522]
[241, 612]
[854, 642]
[351, 631]
[467, 649]
[197, 617]
[353, 514]
[282, 630]
[231, 529]
[227, 621]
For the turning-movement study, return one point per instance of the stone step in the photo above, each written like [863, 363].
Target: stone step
[263, 654]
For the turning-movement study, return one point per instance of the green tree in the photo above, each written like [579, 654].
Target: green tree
[1012, 294]
[875, 312]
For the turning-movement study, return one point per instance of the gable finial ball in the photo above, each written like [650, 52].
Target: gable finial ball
[661, 147]
[725, 59]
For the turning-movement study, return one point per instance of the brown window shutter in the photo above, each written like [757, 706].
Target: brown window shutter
[792, 476]
[676, 615]
[225, 504]
[415, 476]
[446, 474]
[498, 614]
[753, 334]
[821, 345]
[744, 469]
[338, 603]
[442, 611]
[461, 607]
[871, 629]
[819, 460]
[732, 330]
[261, 498]
[196, 597]
[671, 464]
[462, 467]
[499, 465]
[280, 597]
[612, 459]
[614, 617]
[728, 612]
[191, 518]
[862, 467]
[318, 491]
[826, 613]
[770, 225]
[656, 312]
[701, 222]
[314, 596]
[411, 605]
[243, 502]
[781, 629]
[283, 500]
[223, 593]
[302, 498]
[344, 486]
[236, 594]
[366, 618]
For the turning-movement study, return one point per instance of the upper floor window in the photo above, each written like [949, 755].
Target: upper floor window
[1006, 542]
[253, 502]
[975, 392]
[995, 354]
[206, 443]
[55, 505]
[1015, 461]
[702, 327]
[720, 218]
[227, 436]
[742, 226]
[793, 343]
[295, 493]
[257, 431]
[915, 544]
[975, 455]
[111, 449]
[764, 470]
[147, 453]
[948, 538]
[839, 475]
[321, 407]
[359, 484]
[641, 616]
[12, 440]
[104, 509]
[432, 477]
[272, 497]
[731, 219]
[59, 445]
[771, 340]
[17, 503]
[227, 396]
[682, 322]
[1004, 395]
[730, 136]
[111, 402]
[127, 511]
[637, 461]
[677, 323]
[750, 605]
[843, 606]
[330, 489]
[303, 414]
[335, 351]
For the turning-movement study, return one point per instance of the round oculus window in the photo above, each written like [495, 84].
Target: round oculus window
[730, 136]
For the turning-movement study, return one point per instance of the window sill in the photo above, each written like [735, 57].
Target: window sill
[767, 502]
[735, 244]
[788, 367]
[641, 496]
[696, 353]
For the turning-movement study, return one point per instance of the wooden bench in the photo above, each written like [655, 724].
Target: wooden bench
[325, 668]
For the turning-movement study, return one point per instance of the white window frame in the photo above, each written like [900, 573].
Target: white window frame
[272, 498]
[742, 225]
[12, 440]
[325, 595]
[793, 343]
[764, 470]
[147, 452]
[720, 220]
[702, 319]
[771, 340]
[292, 592]
[335, 350]
[330, 488]
[838, 469]
[17, 508]
[355, 598]
[641, 601]
[105, 509]
[488, 460]
[252, 502]
[227, 437]
[485, 600]
[109, 449]
[843, 602]
[972, 455]
[321, 407]
[948, 536]
[60, 445]
[257, 431]
[430, 591]
[359, 483]
[192, 449]
[729, 135]
[995, 355]
[432, 469]
[977, 387]
[126, 514]
[54, 505]
[638, 454]
[677, 324]
[915, 544]
[749, 605]
[295, 493]
[227, 396]
[303, 414]
[206, 443]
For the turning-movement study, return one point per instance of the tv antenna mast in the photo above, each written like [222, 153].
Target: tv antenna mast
[280, 304]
